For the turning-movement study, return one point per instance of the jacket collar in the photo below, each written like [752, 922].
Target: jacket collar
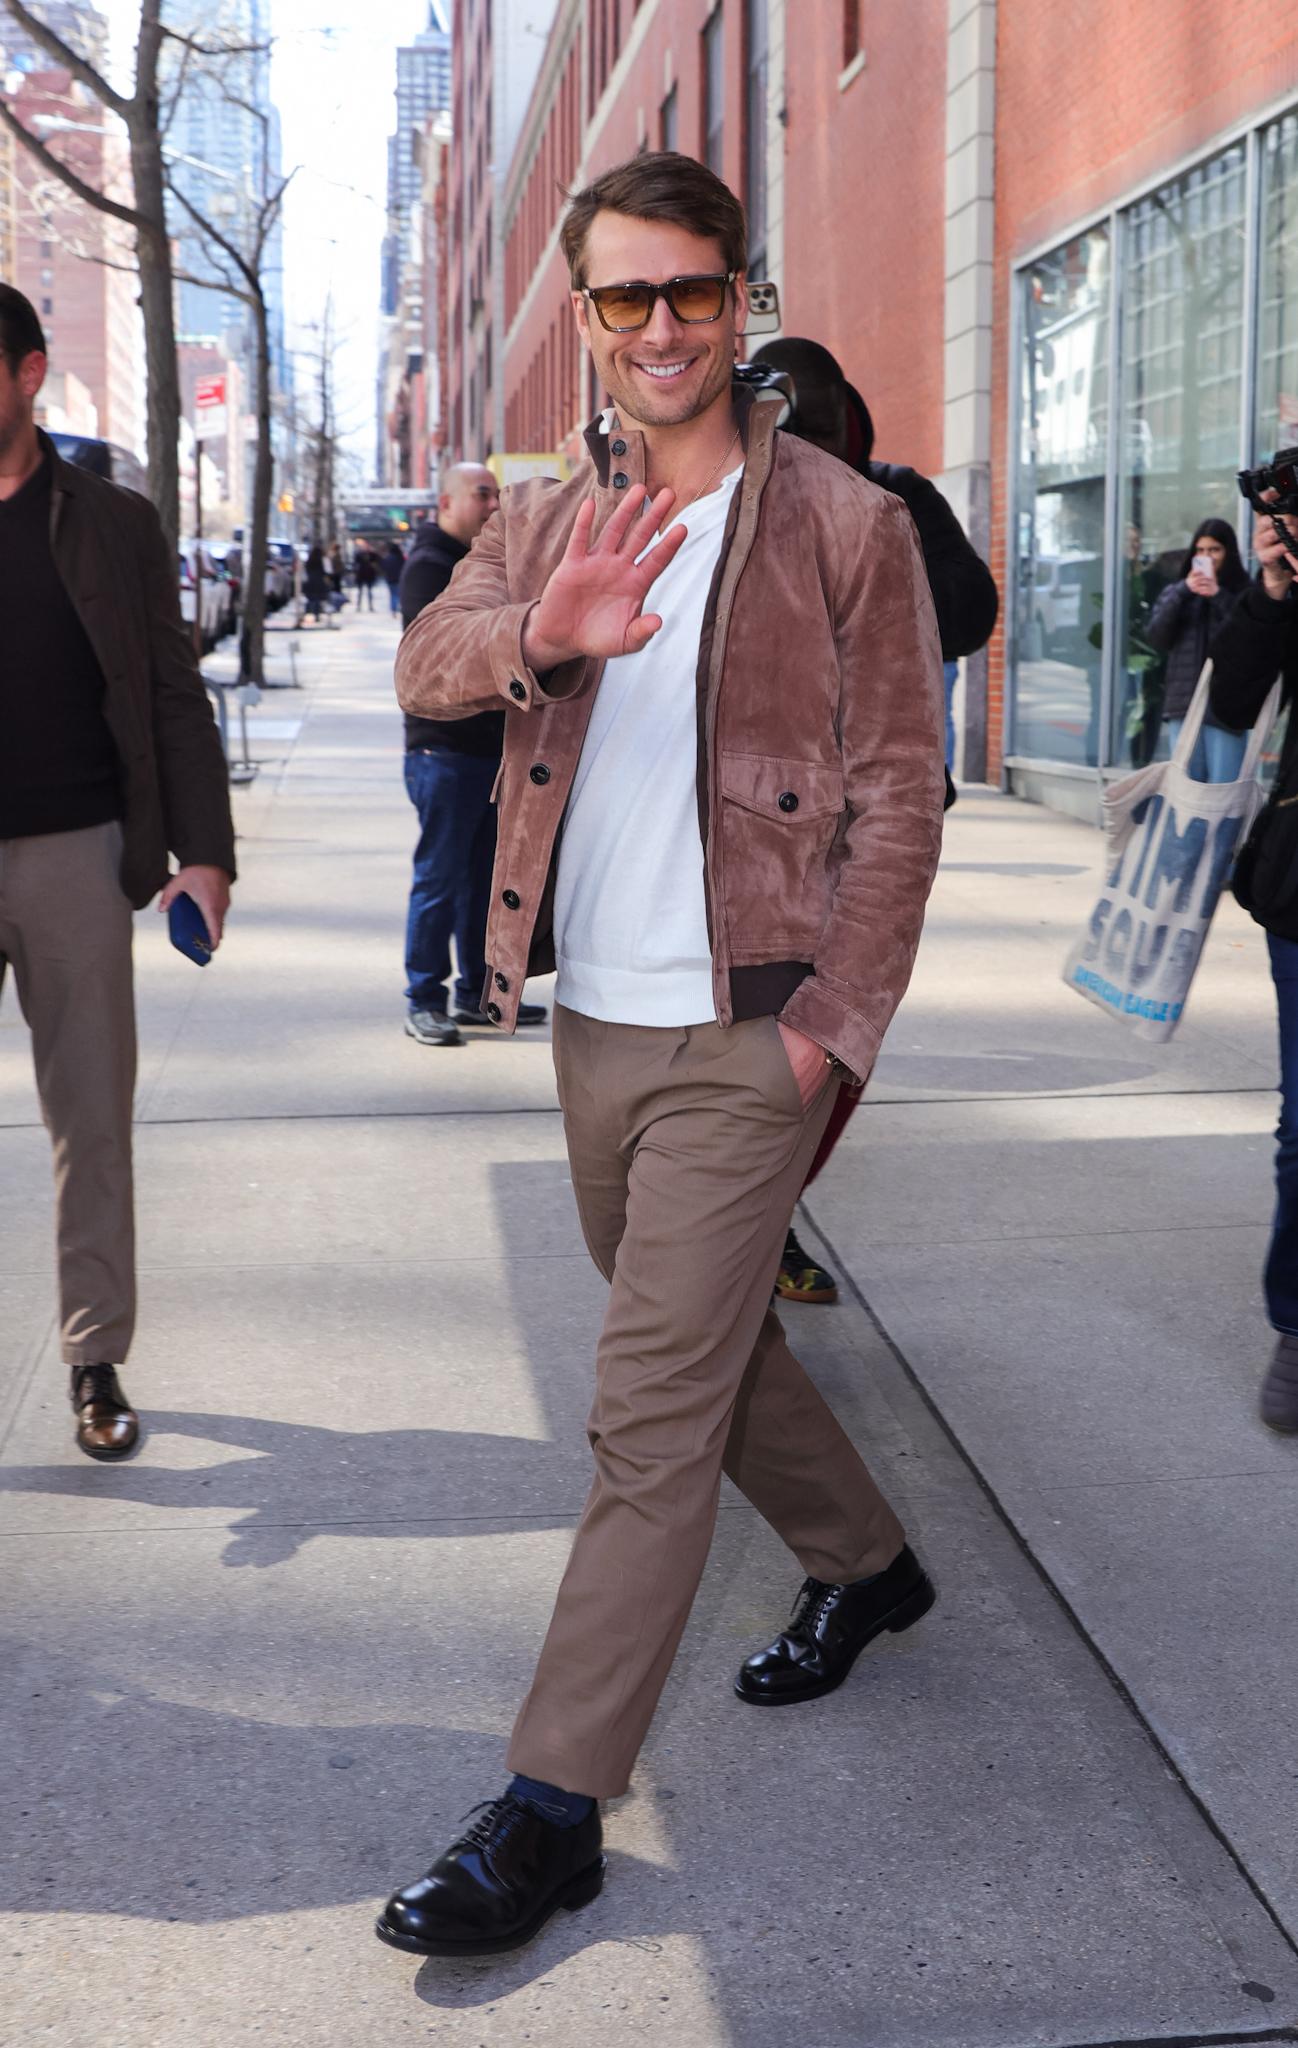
[65, 477]
[756, 412]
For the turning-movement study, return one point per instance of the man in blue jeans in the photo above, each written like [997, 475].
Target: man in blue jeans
[451, 765]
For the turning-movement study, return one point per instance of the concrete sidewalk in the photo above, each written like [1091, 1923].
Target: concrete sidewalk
[256, 1676]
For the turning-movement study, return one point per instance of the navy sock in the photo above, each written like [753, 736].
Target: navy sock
[562, 1809]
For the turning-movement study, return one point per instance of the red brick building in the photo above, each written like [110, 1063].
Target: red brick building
[1054, 242]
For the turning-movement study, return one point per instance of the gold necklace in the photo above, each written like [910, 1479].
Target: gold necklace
[676, 510]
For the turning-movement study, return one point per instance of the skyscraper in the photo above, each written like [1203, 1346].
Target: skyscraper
[224, 146]
[423, 88]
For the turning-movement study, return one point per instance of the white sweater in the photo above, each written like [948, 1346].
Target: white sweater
[630, 917]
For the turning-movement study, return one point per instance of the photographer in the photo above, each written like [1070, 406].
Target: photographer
[830, 412]
[1258, 641]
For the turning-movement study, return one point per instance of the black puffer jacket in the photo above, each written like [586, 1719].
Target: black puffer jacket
[1181, 626]
[1257, 643]
[964, 592]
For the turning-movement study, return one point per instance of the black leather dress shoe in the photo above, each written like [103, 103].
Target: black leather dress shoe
[107, 1425]
[498, 1884]
[528, 1013]
[831, 1626]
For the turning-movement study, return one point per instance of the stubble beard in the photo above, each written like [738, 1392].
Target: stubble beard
[649, 412]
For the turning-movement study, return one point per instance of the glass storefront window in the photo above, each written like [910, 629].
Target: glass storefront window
[1059, 556]
[1275, 422]
[1181, 351]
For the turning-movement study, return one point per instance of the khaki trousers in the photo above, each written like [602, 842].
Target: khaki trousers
[688, 1151]
[65, 928]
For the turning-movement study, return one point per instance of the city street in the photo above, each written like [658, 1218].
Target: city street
[258, 1674]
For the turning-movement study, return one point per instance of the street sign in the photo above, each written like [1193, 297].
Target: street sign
[209, 408]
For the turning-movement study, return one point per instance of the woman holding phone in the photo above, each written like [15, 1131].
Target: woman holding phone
[1181, 625]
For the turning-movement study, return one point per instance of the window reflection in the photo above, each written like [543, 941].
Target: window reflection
[1060, 553]
[1182, 354]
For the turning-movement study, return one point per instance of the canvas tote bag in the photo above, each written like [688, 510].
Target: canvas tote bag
[1169, 842]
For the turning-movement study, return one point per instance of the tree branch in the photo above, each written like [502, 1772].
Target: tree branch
[199, 48]
[58, 169]
[66, 57]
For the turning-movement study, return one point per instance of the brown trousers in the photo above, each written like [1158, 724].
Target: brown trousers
[688, 1151]
[65, 928]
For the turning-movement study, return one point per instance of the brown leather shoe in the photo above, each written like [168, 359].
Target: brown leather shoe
[107, 1425]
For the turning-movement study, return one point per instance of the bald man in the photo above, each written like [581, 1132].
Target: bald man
[451, 766]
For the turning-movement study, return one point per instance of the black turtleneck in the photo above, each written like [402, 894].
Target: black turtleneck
[58, 765]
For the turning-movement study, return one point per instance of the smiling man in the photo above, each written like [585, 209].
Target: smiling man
[748, 777]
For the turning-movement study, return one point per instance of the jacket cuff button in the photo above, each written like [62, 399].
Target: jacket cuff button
[511, 899]
[493, 1011]
[540, 774]
[517, 689]
[502, 984]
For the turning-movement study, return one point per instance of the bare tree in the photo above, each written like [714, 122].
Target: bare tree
[238, 260]
[141, 114]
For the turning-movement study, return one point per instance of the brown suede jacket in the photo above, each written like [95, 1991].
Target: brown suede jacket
[820, 731]
[110, 553]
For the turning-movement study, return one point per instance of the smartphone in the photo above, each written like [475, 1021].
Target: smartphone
[189, 934]
[1202, 565]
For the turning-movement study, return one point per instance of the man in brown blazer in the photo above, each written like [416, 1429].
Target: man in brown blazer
[109, 759]
[719, 820]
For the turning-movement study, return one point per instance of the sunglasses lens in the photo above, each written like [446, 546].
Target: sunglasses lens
[698, 298]
[622, 305]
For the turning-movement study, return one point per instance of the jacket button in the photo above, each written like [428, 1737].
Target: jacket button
[502, 984]
[511, 899]
[493, 1011]
[540, 773]
[619, 447]
[620, 480]
[519, 690]
[787, 801]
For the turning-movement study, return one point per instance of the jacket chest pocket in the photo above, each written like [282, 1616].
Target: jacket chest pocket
[779, 818]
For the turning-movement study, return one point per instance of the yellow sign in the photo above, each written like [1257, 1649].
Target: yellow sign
[515, 469]
[286, 501]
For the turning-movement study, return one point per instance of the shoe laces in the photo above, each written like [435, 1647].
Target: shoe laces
[496, 1819]
[810, 1606]
[98, 1384]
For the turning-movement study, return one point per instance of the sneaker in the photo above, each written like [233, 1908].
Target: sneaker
[800, 1278]
[432, 1027]
[1279, 1403]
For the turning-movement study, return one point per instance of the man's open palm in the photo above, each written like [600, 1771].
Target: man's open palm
[593, 604]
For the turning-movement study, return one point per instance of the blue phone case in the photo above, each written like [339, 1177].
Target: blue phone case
[189, 934]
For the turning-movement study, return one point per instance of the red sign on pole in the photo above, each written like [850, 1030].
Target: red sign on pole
[209, 391]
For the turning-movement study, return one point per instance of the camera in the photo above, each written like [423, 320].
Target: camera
[1279, 475]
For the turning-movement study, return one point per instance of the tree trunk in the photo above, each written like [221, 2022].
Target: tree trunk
[153, 250]
[263, 482]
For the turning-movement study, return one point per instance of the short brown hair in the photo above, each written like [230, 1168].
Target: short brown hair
[658, 185]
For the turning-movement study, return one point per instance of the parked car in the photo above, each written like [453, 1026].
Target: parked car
[214, 594]
[104, 458]
[228, 557]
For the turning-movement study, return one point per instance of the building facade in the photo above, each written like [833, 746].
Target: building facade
[72, 260]
[1053, 242]
[423, 90]
[1145, 348]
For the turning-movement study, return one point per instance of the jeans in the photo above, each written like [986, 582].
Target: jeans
[1218, 755]
[394, 597]
[450, 893]
[950, 670]
[365, 593]
[1281, 1274]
